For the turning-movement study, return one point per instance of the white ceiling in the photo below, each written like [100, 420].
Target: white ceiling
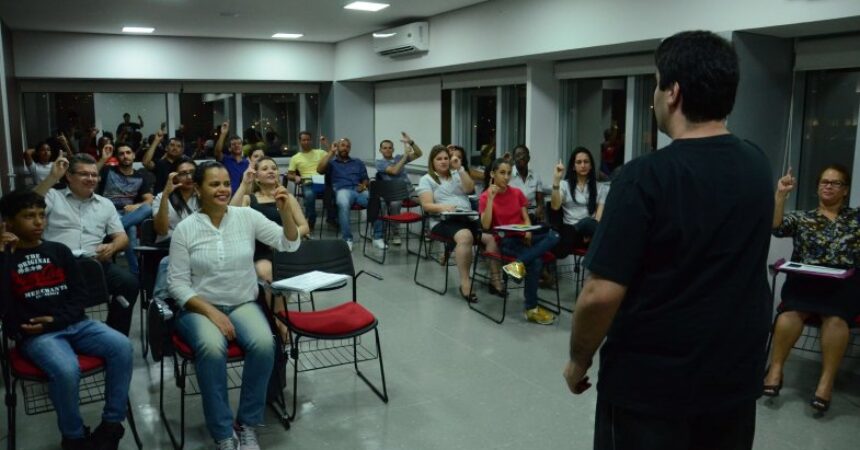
[318, 20]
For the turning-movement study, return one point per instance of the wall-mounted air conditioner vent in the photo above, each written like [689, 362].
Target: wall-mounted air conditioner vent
[403, 40]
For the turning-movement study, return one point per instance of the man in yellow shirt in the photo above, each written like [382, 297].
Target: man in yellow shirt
[303, 166]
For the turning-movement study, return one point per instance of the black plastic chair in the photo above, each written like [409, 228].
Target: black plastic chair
[384, 193]
[149, 255]
[328, 337]
[19, 371]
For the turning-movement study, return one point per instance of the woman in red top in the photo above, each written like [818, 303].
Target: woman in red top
[501, 204]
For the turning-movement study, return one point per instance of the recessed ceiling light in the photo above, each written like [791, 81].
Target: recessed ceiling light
[137, 29]
[287, 35]
[383, 35]
[367, 6]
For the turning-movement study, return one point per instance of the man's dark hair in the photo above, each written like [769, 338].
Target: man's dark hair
[18, 200]
[384, 141]
[177, 140]
[705, 66]
[301, 133]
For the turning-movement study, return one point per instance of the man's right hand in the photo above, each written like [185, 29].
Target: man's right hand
[107, 152]
[786, 183]
[7, 239]
[58, 169]
[225, 127]
[159, 135]
[323, 142]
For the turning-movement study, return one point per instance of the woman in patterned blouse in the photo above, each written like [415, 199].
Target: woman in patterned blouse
[828, 235]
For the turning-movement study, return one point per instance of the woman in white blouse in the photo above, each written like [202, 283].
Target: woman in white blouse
[580, 198]
[211, 276]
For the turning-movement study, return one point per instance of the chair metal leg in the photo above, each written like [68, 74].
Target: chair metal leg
[144, 338]
[364, 244]
[133, 426]
[447, 254]
[11, 403]
[384, 394]
[181, 384]
[504, 298]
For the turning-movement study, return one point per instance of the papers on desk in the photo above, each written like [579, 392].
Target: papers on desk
[460, 212]
[311, 281]
[318, 179]
[520, 227]
[809, 269]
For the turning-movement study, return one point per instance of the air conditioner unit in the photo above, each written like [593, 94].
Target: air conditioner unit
[404, 40]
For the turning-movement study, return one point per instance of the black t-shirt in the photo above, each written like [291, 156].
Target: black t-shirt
[43, 281]
[162, 171]
[687, 230]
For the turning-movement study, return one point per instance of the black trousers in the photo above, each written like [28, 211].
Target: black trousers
[120, 282]
[619, 429]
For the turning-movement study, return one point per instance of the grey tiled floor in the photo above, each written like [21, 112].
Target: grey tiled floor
[456, 381]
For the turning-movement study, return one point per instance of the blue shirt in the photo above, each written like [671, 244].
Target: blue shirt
[346, 174]
[235, 169]
[382, 164]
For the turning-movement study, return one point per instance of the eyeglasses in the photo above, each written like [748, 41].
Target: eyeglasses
[832, 183]
[86, 174]
[185, 174]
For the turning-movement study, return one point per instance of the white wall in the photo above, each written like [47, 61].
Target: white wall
[505, 30]
[96, 56]
[413, 106]
[542, 92]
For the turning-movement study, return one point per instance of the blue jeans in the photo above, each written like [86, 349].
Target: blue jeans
[159, 289]
[130, 221]
[309, 198]
[210, 359]
[345, 198]
[530, 256]
[54, 353]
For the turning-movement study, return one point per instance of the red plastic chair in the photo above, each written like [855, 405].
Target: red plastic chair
[387, 192]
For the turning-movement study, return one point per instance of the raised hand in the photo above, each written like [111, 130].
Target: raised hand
[62, 139]
[159, 134]
[225, 127]
[282, 198]
[7, 239]
[405, 138]
[323, 142]
[171, 183]
[559, 171]
[492, 190]
[333, 150]
[249, 176]
[786, 183]
[107, 151]
[59, 168]
[456, 164]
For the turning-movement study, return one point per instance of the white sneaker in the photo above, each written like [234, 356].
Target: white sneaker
[380, 244]
[396, 240]
[228, 444]
[349, 244]
[248, 438]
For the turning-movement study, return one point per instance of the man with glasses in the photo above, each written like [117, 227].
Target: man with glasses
[130, 192]
[82, 220]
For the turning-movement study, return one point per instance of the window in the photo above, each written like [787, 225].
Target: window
[201, 116]
[271, 121]
[645, 129]
[594, 115]
[831, 104]
[47, 114]
[488, 121]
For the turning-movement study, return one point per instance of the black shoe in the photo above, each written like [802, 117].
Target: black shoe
[772, 390]
[84, 443]
[107, 436]
[819, 404]
[494, 291]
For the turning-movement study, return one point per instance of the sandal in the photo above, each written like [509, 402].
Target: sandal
[771, 390]
[496, 291]
[819, 404]
[469, 298]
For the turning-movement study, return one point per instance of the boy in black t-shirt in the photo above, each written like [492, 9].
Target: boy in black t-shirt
[44, 311]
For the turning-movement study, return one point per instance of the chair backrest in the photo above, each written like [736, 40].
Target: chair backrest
[385, 191]
[329, 255]
[93, 277]
[147, 232]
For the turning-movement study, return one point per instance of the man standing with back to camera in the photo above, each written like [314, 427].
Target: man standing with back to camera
[678, 282]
